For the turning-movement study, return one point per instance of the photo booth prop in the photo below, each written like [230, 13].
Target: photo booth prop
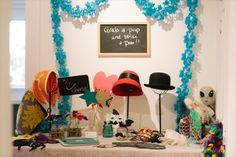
[160, 84]
[124, 39]
[103, 82]
[45, 85]
[73, 85]
[99, 98]
[45, 88]
[30, 114]
[127, 85]
[102, 88]
[208, 98]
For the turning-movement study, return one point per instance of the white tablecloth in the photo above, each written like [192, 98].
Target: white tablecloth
[57, 150]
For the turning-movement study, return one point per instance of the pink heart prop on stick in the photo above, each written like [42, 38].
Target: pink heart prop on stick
[100, 81]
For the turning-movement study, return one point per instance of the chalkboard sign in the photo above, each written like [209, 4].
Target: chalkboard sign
[124, 39]
[73, 85]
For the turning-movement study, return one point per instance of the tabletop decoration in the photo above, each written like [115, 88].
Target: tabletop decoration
[73, 128]
[114, 119]
[99, 98]
[213, 142]
[30, 114]
[28, 140]
[46, 91]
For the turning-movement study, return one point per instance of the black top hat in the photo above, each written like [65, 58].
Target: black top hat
[159, 80]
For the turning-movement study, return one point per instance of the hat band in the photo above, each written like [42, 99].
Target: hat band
[129, 75]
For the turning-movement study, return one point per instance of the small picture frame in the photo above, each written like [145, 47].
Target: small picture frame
[124, 39]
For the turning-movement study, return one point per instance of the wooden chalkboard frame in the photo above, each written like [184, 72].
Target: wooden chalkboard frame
[125, 53]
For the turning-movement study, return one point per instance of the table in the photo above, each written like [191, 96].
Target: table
[57, 150]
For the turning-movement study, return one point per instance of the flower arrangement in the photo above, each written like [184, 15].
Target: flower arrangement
[80, 116]
[73, 128]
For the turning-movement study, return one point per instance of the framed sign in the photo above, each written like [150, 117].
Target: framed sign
[73, 85]
[124, 40]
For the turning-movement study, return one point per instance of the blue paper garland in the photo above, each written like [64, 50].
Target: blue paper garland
[158, 12]
[149, 9]
[77, 12]
[187, 58]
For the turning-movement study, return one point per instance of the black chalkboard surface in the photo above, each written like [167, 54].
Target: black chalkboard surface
[73, 85]
[124, 39]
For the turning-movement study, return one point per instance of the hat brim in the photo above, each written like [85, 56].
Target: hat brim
[126, 81]
[158, 86]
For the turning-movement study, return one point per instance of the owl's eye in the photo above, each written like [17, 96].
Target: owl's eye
[211, 93]
[202, 94]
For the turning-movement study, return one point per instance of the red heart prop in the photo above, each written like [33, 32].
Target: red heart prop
[100, 81]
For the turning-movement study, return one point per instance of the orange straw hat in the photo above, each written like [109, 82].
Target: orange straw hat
[45, 83]
[127, 84]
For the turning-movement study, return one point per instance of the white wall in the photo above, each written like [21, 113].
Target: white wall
[226, 81]
[5, 107]
[166, 49]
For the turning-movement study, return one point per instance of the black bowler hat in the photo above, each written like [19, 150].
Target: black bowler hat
[159, 80]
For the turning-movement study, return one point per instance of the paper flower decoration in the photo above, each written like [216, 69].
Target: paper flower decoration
[80, 116]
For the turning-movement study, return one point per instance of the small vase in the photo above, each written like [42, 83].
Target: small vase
[95, 122]
[107, 130]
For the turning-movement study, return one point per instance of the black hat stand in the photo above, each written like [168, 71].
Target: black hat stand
[127, 106]
[160, 93]
[129, 89]
[51, 90]
[49, 111]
